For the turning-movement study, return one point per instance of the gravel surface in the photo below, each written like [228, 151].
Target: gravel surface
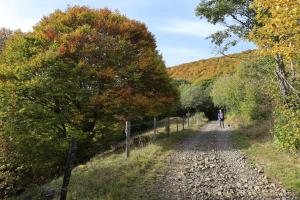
[207, 166]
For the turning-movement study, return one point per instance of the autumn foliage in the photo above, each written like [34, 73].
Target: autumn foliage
[278, 29]
[80, 73]
[274, 27]
[210, 68]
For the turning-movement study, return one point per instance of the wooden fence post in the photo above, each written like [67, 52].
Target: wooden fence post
[177, 124]
[155, 131]
[68, 170]
[168, 126]
[127, 131]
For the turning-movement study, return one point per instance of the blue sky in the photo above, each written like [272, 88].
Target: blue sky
[180, 35]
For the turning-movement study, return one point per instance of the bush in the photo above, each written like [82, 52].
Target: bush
[287, 126]
[252, 94]
[240, 95]
[196, 97]
[25, 160]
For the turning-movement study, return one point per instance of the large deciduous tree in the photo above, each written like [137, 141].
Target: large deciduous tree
[77, 74]
[80, 67]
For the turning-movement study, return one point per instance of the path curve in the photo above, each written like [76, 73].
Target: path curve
[207, 166]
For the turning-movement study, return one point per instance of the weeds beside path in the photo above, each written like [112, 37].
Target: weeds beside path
[190, 164]
[112, 176]
[278, 164]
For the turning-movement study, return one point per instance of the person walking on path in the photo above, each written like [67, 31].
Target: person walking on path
[221, 118]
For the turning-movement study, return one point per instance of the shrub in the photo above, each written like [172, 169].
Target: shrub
[243, 93]
[287, 125]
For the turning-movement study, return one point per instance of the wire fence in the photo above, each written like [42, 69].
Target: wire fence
[162, 128]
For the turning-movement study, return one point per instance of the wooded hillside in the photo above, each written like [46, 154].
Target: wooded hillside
[210, 68]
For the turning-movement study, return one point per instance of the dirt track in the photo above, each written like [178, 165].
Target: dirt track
[207, 166]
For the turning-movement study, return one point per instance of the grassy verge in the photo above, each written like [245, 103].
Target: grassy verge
[261, 148]
[112, 176]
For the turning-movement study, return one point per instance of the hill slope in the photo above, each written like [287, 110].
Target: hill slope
[210, 68]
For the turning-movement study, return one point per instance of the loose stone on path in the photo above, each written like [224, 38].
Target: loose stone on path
[207, 166]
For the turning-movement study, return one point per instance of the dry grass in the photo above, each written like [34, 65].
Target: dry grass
[259, 145]
[112, 176]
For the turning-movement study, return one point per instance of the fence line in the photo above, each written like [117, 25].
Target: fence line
[167, 126]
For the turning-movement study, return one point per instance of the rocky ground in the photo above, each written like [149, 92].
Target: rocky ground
[207, 166]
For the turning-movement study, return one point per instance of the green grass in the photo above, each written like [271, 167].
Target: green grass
[112, 176]
[279, 165]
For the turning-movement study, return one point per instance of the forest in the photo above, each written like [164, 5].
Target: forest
[86, 75]
[212, 68]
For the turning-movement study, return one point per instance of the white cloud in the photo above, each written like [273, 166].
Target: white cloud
[23, 14]
[195, 28]
[178, 55]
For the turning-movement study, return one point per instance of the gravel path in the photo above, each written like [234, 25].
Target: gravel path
[207, 166]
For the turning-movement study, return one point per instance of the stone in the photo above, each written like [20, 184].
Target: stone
[256, 188]
[47, 192]
[202, 169]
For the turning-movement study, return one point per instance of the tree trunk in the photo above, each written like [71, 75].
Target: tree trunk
[68, 170]
[182, 123]
[127, 131]
[281, 75]
[154, 130]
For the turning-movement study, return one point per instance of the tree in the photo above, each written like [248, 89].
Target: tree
[251, 20]
[81, 66]
[78, 73]
[245, 93]
[227, 92]
[279, 30]
[278, 34]
[236, 15]
[195, 97]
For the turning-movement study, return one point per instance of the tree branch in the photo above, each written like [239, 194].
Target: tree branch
[294, 90]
